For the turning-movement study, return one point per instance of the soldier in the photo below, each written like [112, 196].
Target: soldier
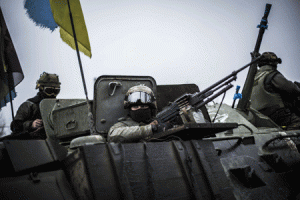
[28, 118]
[272, 93]
[141, 104]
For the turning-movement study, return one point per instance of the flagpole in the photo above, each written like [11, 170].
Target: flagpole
[90, 114]
[10, 77]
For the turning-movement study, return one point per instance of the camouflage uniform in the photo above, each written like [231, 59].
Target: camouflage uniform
[136, 125]
[129, 130]
[140, 122]
[271, 91]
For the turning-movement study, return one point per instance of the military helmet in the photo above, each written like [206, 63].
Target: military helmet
[46, 79]
[269, 58]
[140, 94]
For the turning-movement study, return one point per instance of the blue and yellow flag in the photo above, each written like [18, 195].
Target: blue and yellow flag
[53, 13]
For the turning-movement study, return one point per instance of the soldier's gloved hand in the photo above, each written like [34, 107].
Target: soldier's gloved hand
[160, 127]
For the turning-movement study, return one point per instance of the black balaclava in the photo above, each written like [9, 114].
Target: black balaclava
[141, 115]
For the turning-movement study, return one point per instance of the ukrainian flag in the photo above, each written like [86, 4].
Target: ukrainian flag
[53, 13]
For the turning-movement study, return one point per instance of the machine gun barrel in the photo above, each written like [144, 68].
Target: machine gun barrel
[262, 27]
[213, 97]
[200, 96]
[197, 100]
[234, 73]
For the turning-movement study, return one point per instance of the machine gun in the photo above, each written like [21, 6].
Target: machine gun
[187, 104]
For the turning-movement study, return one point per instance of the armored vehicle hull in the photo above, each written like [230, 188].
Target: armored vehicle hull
[234, 157]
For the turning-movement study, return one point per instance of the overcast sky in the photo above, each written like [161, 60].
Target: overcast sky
[174, 41]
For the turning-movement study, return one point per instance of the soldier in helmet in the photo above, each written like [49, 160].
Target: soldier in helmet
[28, 118]
[140, 123]
[272, 93]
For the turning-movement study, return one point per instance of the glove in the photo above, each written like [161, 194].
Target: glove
[161, 127]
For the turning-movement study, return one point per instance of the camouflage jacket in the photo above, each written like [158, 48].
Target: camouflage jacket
[26, 114]
[129, 130]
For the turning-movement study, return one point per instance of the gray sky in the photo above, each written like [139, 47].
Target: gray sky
[175, 42]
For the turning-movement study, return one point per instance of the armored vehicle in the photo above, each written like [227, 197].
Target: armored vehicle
[212, 152]
[235, 157]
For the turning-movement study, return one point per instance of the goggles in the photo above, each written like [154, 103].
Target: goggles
[51, 90]
[140, 97]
